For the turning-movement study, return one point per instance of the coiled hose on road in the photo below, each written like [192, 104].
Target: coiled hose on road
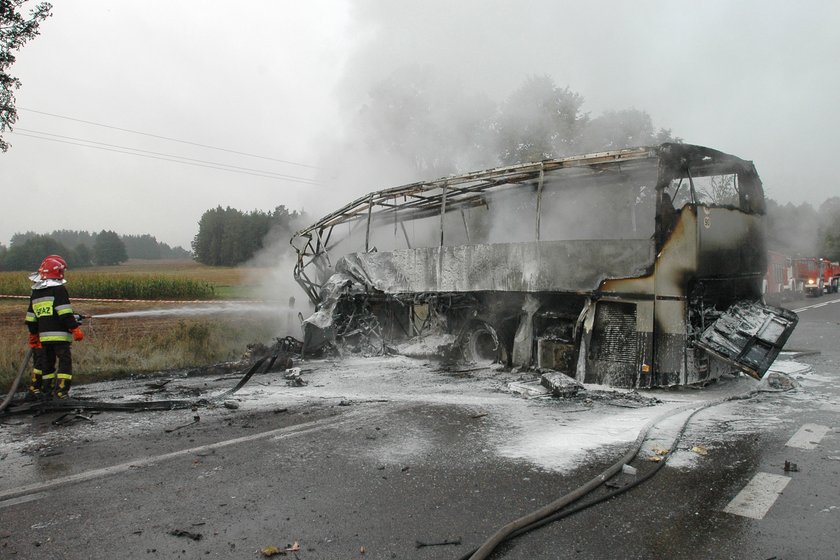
[554, 510]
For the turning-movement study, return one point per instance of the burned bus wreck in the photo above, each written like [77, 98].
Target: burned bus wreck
[634, 268]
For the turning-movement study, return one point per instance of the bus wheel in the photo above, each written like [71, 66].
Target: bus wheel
[482, 344]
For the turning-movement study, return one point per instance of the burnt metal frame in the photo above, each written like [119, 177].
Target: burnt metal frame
[425, 199]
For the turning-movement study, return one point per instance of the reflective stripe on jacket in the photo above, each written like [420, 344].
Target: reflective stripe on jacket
[50, 314]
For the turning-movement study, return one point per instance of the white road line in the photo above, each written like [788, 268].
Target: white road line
[816, 305]
[23, 499]
[808, 436]
[758, 496]
[278, 433]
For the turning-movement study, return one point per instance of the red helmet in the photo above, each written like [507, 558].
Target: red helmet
[52, 267]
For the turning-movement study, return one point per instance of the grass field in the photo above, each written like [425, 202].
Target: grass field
[172, 335]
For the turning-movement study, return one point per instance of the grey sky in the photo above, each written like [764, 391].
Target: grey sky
[284, 79]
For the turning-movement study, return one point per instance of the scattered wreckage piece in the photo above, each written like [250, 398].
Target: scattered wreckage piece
[69, 404]
[560, 384]
[627, 268]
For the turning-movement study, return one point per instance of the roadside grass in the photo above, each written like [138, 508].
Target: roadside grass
[115, 348]
[122, 347]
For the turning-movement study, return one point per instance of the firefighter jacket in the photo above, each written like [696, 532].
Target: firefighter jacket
[50, 314]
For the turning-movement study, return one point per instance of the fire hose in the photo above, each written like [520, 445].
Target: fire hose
[15, 383]
[555, 510]
[136, 406]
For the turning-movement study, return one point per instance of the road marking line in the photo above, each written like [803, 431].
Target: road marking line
[808, 436]
[758, 496]
[279, 433]
[816, 305]
[23, 499]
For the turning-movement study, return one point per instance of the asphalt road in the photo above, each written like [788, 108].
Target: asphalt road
[366, 464]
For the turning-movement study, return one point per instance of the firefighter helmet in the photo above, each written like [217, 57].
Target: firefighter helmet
[52, 267]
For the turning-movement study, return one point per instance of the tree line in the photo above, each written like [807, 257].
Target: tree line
[804, 231]
[229, 237]
[421, 122]
[83, 249]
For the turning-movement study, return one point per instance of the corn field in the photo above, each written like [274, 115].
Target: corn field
[117, 286]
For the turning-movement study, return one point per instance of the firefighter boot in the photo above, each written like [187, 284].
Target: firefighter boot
[36, 386]
[62, 388]
[47, 385]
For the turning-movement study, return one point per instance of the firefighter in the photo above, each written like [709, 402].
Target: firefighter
[52, 328]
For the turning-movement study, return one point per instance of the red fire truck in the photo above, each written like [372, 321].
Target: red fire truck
[807, 276]
[831, 275]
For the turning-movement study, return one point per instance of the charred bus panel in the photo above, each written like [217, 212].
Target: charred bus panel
[608, 267]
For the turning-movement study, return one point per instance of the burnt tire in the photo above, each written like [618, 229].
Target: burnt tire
[482, 344]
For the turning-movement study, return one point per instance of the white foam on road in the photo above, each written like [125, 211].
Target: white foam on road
[758, 496]
[789, 367]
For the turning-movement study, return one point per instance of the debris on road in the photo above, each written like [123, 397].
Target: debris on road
[270, 551]
[627, 469]
[700, 450]
[560, 384]
[157, 387]
[187, 534]
[293, 378]
[791, 467]
[70, 417]
[777, 381]
[231, 404]
[528, 389]
[445, 542]
[196, 419]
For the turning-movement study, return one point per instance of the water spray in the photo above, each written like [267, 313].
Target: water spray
[195, 311]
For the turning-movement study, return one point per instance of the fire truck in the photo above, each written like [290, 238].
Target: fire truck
[830, 275]
[808, 275]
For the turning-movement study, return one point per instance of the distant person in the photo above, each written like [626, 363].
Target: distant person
[52, 328]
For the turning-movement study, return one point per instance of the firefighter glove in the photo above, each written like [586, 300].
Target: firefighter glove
[34, 340]
[78, 335]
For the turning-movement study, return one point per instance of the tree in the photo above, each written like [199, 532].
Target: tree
[424, 125]
[15, 31]
[228, 237]
[141, 246]
[792, 229]
[108, 249]
[628, 128]
[81, 256]
[28, 254]
[829, 230]
[540, 121]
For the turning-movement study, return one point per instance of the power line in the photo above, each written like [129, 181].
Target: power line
[175, 158]
[256, 174]
[168, 138]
